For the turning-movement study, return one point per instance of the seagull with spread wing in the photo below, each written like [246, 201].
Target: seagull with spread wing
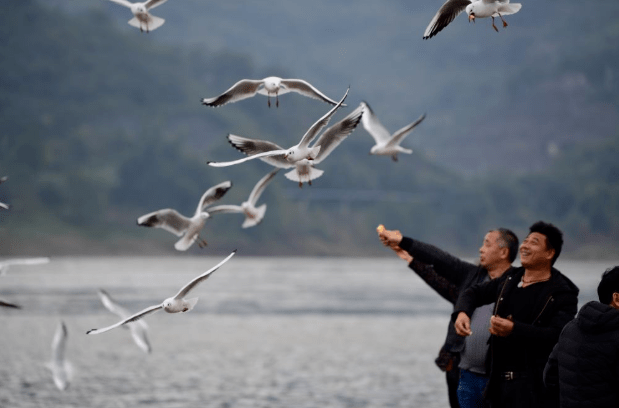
[261, 149]
[188, 228]
[386, 143]
[176, 304]
[475, 9]
[142, 19]
[138, 328]
[303, 170]
[270, 86]
[253, 214]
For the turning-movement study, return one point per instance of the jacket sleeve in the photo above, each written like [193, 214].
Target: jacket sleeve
[566, 308]
[442, 286]
[478, 295]
[446, 265]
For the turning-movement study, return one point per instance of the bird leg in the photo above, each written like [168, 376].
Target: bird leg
[269, 100]
[394, 157]
[300, 184]
[277, 100]
[309, 182]
[201, 242]
[504, 22]
[493, 26]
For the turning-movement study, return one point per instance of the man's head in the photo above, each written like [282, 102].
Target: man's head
[500, 246]
[608, 289]
[542, 246]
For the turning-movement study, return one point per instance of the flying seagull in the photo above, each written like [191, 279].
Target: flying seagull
[260, 149]
[386, 143]
[4, 303]
[4, 265]
[187, 228]
[475, 9]
[303, 170]
[142, 19]
[253, 214]
[175, 304]
[271, 86]
[61, 369]
[138, 328]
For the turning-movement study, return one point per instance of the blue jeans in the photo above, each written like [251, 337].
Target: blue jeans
[471, 389]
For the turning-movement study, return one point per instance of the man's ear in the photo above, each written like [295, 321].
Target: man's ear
[551, 254]
[505, 253]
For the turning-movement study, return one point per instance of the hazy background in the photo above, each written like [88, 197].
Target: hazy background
[100, 124]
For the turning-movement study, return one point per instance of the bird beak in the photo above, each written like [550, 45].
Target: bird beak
[471, 18]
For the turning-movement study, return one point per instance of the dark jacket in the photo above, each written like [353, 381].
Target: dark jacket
[585, 361]
[554, 308]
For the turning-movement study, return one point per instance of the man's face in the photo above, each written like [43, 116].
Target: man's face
[490, 252]
[534, 251]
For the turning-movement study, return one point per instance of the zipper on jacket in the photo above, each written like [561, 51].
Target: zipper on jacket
[550, 299]
[496, 305]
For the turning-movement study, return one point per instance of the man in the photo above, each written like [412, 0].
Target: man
[585, 361]
[449, 276]
[533, 304]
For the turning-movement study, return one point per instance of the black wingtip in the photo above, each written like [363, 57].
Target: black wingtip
[88, 332]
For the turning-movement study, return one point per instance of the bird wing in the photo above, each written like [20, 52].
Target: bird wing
[225, 209]
[8, 304]
[129, 319]
[445, 15]
[213, 194]
[3, 179]
[333, 136]
[245, 88]
[401, 134]
[4, 265]
[255, 148]
[111, 305]
[320, 123]
[185, 290]
[138, 333]
[373, 126]
[306, 89]
[122, 3]
[59, 342]
[256, 192]
[151, 4]
[168, 219]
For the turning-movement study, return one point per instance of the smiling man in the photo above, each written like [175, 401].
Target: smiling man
[533, 304]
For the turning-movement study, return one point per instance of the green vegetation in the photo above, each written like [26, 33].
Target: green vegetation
[99, 126]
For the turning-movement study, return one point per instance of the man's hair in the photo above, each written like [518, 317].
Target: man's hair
[508, 239]
[608, 285]
[554, 236]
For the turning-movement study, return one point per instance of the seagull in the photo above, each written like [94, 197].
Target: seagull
[141, 16]
[138, 328]
[61, 369]
[253, 214]
[386, 144]
[246, 88]
[187, 228]
[3, 205]
[475, 9]
[303, 170]
[4, 265]
[175, 304]
[261, 149]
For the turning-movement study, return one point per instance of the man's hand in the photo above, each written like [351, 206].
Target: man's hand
[403, 255]
[463, 325]
[501, 327]
[390, 238]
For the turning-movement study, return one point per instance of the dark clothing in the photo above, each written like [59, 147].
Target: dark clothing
[539, 312]
[449, 276]
[585, 362]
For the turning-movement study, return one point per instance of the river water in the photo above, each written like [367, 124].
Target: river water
[266, 332]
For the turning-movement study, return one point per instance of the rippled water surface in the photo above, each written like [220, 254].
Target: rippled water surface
[267, 332]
